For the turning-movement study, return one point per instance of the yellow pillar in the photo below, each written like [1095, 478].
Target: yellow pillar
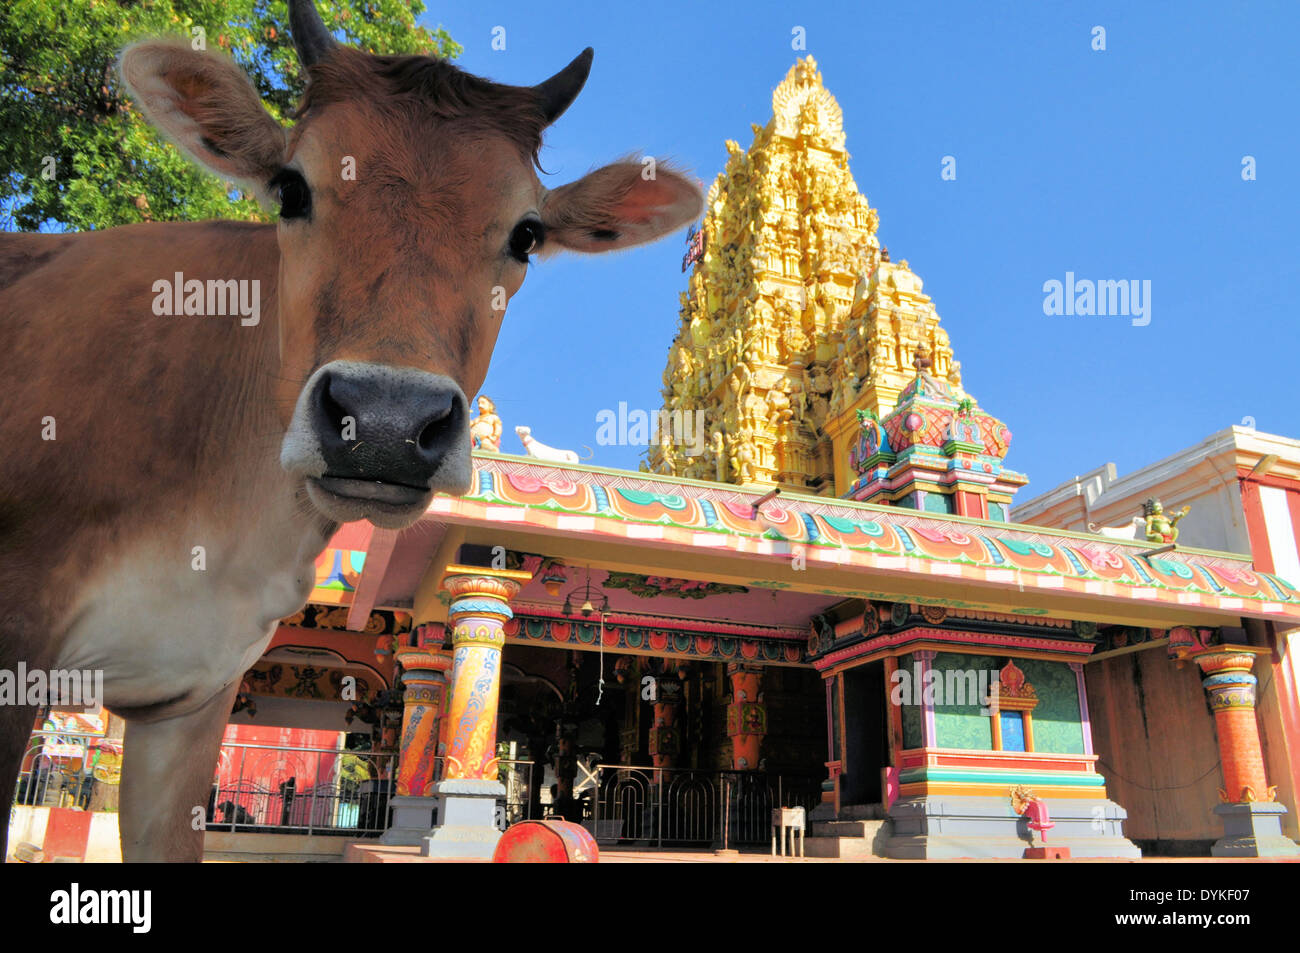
[479, 609]
[469, 789]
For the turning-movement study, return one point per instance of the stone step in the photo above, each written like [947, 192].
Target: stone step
[849, 840]
[845, 848]
[863, 812]
[844, 828]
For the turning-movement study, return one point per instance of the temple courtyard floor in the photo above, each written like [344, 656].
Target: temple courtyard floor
[378, 854]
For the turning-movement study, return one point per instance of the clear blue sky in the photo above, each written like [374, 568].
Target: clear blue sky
[1123, 164]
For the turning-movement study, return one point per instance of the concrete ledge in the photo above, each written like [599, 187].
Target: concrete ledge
[371, 853]
[223, 846]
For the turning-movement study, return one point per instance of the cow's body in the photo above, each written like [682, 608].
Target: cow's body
[200, 463]
[97, 563]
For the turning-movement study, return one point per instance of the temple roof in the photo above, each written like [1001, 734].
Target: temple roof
[850, 550]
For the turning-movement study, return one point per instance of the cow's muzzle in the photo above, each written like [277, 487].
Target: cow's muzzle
[375, 442]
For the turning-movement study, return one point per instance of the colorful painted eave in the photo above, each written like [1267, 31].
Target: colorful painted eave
[600, 503]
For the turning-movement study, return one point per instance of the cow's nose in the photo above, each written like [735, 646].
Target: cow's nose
[385, 424]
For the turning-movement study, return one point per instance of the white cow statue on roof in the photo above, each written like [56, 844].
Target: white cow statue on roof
[541, 451]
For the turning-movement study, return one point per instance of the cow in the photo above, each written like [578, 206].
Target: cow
[170, 475]
[540, 451]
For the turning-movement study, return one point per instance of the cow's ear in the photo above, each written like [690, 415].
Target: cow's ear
[620, 205]
[206, 105]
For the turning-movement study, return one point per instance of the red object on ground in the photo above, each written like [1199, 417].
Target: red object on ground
[67, 834]
[1047, 853]
[1039, 818]
[546, 842]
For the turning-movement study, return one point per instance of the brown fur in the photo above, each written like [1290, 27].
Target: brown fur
[430, 86]
[170, 427]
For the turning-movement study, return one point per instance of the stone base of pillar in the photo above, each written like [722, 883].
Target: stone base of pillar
[467, 819]
[1253, 830]
[412, 819]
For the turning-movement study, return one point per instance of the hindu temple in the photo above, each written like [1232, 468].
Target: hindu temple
[824, 606]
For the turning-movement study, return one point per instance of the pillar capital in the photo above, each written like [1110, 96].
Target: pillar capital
[483, 581]
[413, 659]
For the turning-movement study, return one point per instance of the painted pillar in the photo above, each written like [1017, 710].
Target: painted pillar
[1084, 718]
[1252, 819]
[923, 660]
[665, 737]
[424, 683]
[480, 607]
[1231, 688]
[746, 715]
[469, 789]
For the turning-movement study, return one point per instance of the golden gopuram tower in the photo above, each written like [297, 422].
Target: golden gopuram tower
[794, 318]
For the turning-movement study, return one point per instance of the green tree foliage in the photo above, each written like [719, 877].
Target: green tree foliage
[76, 153]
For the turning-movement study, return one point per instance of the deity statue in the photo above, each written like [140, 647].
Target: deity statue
[779, 411]
[667, 464]
[793, 387]
[755, 410]
[742, 460]
[1162, 528]
[837, 387]
[485, 429]
[717, 444]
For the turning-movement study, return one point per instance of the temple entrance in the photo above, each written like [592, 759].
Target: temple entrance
[865, 739]
[650, 751]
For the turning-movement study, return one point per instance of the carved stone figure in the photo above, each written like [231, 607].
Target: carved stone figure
[485, 429]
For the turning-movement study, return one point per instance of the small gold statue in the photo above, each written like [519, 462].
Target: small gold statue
[485, 429]
[1162, 528]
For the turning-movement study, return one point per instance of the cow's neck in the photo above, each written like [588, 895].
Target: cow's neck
[180, 538]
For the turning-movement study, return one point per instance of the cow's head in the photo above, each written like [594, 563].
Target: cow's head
[409, 208]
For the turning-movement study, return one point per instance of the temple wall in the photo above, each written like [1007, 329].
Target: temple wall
[1272, 727]
[1158, 749]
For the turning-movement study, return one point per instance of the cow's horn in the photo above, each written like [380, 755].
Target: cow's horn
[558, 92]
[310, 37]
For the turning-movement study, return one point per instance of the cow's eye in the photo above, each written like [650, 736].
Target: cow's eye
[526, 239]
[295, 196]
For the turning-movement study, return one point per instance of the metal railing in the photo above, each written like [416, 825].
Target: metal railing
[283, 789]
[679, 806]
[59, 769]
[279, 789]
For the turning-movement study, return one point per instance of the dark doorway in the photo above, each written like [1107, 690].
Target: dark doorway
[864, 734]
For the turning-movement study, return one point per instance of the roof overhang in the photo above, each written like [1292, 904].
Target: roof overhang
[646, 523]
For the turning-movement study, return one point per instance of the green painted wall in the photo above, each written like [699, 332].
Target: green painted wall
[1057, 728]
[911, 713]
[1057, 722]
[962, 725]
